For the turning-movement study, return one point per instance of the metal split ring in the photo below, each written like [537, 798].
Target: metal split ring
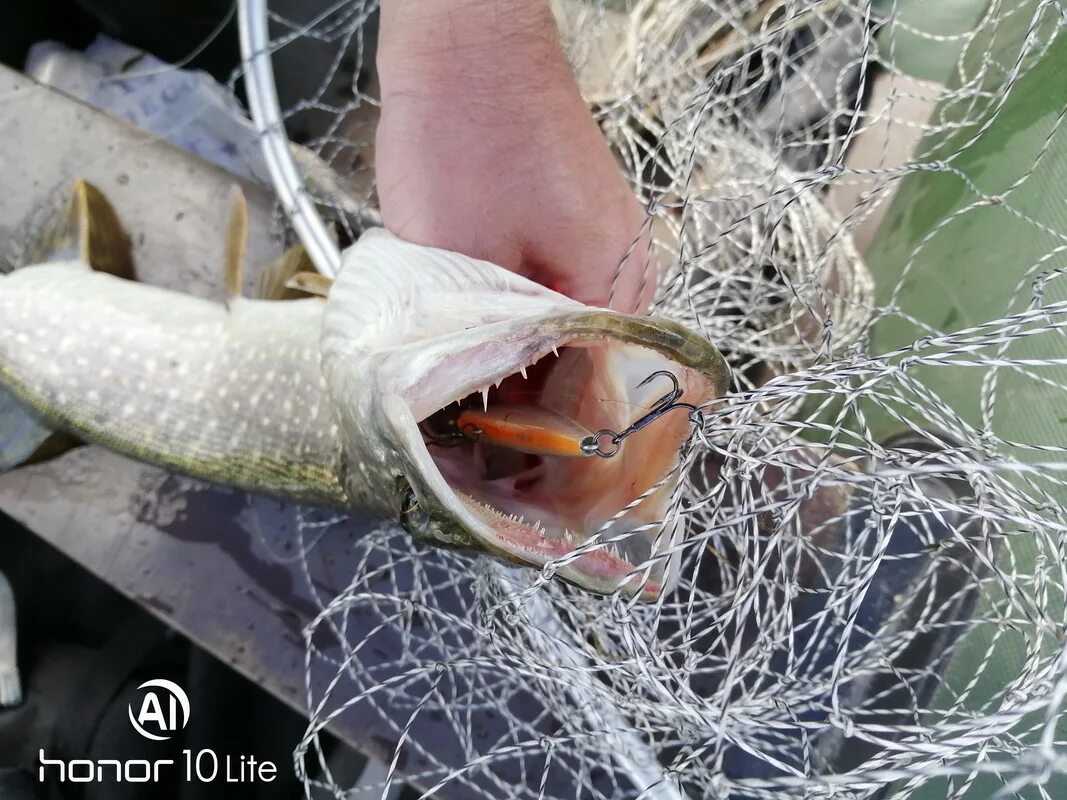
[590, 445]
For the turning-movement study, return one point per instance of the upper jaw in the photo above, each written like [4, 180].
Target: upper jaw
[431, 374]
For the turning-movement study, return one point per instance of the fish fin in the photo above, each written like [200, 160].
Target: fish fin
[26, 439]
[81, 226]
[236, 241]
[21, 434]
[275, 282]
[106, 243]
[310, 283]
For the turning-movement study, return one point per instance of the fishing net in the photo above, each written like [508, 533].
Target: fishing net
[861, 205]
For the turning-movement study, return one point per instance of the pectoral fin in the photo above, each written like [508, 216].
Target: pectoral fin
[23, 437]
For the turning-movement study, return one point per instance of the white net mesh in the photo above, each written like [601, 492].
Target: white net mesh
[871, 600]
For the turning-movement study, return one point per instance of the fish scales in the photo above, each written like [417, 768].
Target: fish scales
[233, 395]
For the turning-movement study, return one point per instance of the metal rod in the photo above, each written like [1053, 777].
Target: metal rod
[267, 116]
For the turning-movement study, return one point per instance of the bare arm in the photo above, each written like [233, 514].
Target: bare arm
[486, 147]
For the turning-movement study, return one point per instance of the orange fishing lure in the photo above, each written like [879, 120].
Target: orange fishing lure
[528, 429]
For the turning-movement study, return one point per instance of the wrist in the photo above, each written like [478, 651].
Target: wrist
[501, 46]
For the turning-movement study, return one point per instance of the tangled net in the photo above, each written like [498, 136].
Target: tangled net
[871, 585]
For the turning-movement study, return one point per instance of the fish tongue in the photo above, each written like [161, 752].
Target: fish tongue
[500, 463]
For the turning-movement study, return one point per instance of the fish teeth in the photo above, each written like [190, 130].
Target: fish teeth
[555, 352]
[485, 399]
[522, 371]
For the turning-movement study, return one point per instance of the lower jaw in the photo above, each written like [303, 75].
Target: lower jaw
[594, 568]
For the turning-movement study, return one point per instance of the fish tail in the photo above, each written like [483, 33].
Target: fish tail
[78, 226]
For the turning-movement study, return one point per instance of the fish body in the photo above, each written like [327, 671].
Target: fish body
[323, 401]
[231, 394]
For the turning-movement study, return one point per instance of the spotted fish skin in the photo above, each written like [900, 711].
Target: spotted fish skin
[232, 393]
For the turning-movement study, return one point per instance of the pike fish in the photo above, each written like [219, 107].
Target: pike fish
[346, 400]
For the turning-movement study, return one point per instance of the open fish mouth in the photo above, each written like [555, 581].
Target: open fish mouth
[508, 450]
[471, 389]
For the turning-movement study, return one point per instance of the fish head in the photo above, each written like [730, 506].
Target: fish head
[414, 335]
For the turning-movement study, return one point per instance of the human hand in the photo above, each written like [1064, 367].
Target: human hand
[486, 147]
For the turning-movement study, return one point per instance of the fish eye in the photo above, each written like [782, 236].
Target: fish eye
[413, 518]
[409, 504]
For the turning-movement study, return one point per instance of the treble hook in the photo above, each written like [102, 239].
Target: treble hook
[591, 445]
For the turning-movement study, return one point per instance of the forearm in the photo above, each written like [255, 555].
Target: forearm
[473, 89]
[485, 146]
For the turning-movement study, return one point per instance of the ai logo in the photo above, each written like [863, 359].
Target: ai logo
[159, 710]
[163, 711]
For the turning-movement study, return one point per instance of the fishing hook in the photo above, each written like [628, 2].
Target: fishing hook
[469, 433]
[592, 445]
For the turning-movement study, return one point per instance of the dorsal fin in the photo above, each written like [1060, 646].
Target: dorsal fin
[236, 242]
[106, 245]
[82, 226]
